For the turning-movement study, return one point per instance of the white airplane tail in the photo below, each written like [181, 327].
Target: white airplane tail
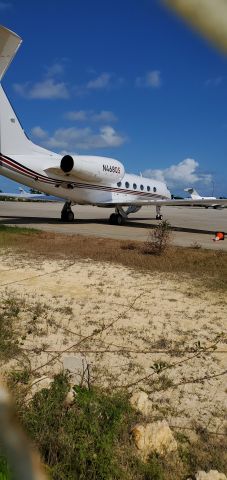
[194, 194]
[12, 137]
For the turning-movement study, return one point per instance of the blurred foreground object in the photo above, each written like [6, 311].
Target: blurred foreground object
[23, 462]
[209, 17]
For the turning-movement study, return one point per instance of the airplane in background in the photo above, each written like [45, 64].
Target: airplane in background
[78, 179]
[24, 195]
[195, 196]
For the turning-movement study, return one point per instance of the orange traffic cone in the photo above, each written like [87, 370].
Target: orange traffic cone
[219, 236]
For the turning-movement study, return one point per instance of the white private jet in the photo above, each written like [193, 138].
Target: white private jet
[79, 179]
[24, 195]
[195, 196]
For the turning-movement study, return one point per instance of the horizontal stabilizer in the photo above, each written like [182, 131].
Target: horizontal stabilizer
[9, 44]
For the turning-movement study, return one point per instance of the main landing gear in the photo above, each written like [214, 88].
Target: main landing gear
[118, 218]
[120, 215]
[67, 214]
[158, 213]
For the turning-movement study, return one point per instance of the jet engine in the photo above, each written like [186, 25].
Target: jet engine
[92, 168]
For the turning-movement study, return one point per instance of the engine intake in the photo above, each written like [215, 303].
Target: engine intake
[67, 163]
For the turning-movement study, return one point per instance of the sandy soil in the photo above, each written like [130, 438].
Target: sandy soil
[140, 330]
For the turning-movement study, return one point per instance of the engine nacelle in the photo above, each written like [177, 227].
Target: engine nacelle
[93, 168]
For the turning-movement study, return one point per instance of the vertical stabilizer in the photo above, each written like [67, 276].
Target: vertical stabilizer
[9, 44]
[12, 137]
[194, 194]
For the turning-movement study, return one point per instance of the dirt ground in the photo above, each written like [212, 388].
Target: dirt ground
[158, 332]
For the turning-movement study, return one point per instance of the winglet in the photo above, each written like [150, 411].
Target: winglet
[9, 44]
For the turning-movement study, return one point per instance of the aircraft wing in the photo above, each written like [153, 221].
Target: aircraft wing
[169, 202]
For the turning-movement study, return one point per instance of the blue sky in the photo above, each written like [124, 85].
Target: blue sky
[125, 79]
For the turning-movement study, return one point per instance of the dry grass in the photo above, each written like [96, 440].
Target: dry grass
[207, 266]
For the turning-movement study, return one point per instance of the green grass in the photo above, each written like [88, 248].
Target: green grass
[4, 470]
[17, 230]
[81, 441]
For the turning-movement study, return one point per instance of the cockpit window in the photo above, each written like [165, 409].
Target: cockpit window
[119, 184]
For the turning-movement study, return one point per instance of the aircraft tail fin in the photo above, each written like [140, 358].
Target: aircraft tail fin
[12, 137]
[194, 194]
[9, 44]
[22, 191]
[13, 140]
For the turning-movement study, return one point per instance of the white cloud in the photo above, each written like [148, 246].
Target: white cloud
[152, 79]
[100, 82]
[38, 132]
[46, 89]
[77, 115]
[183, 174]
[104, 116]
[55, 69]
[71, 139]
[5, 6]
[104, 81]
[90, 115]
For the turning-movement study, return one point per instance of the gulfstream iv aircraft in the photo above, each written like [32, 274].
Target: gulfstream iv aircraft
[79, 179]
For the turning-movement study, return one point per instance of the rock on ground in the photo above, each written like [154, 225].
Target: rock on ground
[140, 401]
[154, 437]
[211, 475]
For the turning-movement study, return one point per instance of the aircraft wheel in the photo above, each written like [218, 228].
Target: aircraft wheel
[67, 216]
[113, 219]
[119, 219]
[159, 217]
[70, 216]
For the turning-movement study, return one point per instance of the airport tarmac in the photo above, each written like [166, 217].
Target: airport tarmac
[190, 224]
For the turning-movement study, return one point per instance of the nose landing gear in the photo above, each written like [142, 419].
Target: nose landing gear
[67, 214]
[159, 216]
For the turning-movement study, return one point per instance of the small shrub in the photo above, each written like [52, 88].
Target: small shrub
[81, 441]
[158, 240]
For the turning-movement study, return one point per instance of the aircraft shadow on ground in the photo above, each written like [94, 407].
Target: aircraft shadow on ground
[130, 223]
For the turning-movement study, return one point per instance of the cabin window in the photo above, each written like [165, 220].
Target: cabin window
[127, 184]
[148, 188]
[119, 184]
[141, 187]
[154, 189]
[134, 186]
